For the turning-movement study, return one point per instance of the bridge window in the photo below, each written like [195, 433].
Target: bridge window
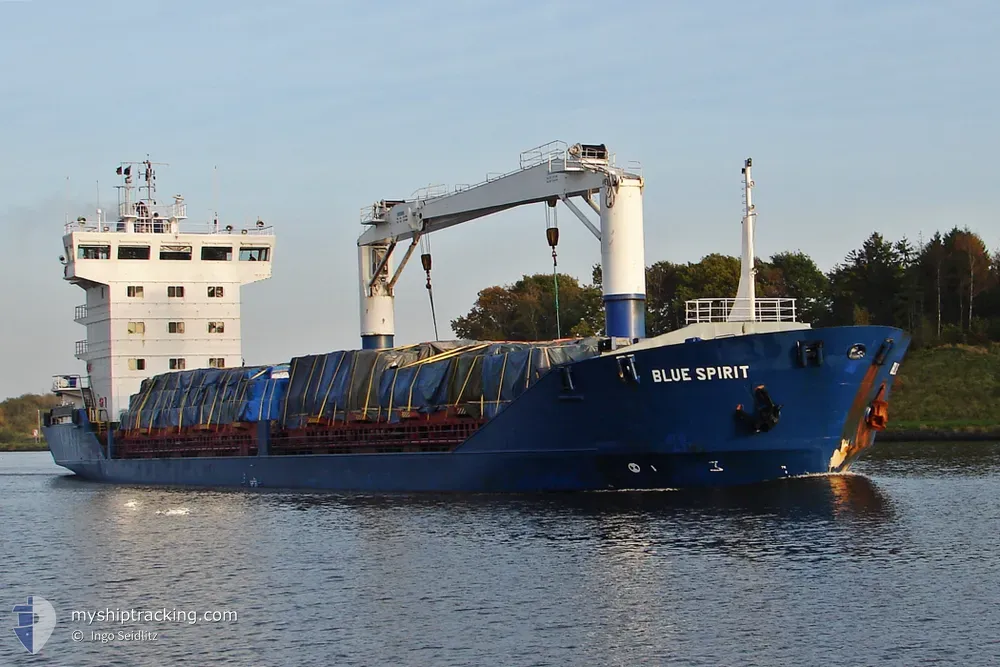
[217, 254]
[216, 362]
[93, 252]
[177, 364]
[134, 291]
[175, 252]
[175, 327]
[133, 252]
[175, 291]
[216, 327]
[215, 292]
[137, 328]
[136, 364]
[261, 254]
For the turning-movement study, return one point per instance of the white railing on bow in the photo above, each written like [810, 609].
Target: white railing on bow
[769, 309]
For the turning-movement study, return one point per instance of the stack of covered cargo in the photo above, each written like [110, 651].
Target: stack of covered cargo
[477, 379]
[207, 397]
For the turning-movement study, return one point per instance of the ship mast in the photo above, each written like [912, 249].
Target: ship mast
[745, 306]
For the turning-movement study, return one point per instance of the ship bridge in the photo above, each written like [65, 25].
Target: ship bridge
[160, 293]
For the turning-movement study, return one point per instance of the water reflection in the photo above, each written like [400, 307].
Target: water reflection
[902, 560]
[932, 459]
[803, 498]
[840, 496]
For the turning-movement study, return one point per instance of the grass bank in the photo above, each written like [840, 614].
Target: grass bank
[950, 392]
[28, 445]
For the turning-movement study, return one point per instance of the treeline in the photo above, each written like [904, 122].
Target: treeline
[19, 417]
[944, 290]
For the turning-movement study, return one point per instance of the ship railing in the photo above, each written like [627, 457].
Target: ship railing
[80, 313]
[554, 150]
[762, 309]
[164, 226]
[144, 210]
[558, 155]
[69, 382]
[82, 347]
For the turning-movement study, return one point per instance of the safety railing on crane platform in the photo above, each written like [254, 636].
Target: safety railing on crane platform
[764, 309]
[575, 157]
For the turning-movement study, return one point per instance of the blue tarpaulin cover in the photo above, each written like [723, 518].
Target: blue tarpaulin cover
[479, 377]
[208, 396]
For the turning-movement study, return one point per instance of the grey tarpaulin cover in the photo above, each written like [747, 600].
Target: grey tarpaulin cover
[481, 377]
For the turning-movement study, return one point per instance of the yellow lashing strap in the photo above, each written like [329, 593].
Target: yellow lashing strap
[447, 355]
[291, 375]
[215, 399]
[309, 381]
[180, 412]
[156, 407]
[392, 390]
[242, 387]
[371, 379]
[503, 369]
[409, 399]
[138, 414]
[467, 377]
[333, 381]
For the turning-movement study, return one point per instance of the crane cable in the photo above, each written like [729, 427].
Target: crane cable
[552, 236]
[425, 261]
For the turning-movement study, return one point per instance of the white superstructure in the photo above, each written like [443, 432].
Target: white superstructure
[160, 294]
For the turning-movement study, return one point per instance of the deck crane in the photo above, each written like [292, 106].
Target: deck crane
[549, 173]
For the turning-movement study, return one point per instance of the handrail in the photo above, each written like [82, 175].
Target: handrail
[556, 154]
[163, 226]
[764, 309]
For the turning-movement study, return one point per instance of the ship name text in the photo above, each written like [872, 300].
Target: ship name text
[704, 373]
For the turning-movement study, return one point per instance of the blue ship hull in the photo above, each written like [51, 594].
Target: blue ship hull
[674, 424]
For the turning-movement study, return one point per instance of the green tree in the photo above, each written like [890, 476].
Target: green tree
[804, 282]
[973, 266]
[867, 286]
[662, 282]
[526, 310]
[19, 416]
[930, 263]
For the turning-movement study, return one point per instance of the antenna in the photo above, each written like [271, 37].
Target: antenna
[215, 196]
[67, 200]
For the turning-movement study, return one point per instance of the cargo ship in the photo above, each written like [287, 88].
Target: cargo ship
[743, 393]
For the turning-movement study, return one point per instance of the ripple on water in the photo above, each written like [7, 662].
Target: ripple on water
[895, 565]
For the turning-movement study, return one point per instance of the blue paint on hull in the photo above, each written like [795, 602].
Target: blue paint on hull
[605, 433]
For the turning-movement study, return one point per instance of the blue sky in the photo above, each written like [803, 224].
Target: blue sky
[859, 116]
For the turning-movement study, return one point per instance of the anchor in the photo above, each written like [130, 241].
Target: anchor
[766, 413]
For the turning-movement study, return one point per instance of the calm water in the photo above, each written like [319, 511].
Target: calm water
[896, 565]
